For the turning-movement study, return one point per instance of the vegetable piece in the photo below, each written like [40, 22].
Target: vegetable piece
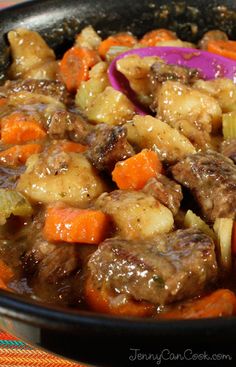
[70, 146]
[223, 228]
[6, 274]
[114, 51]
[192, 220]
[222, 89]
[75, 225]
[119, 39]
[65, 177]
[111, 107]
[18, 128]
[229, 125]
[219, 303]
[234, 239]
[149, 132]
[90, 89]
[134, 172]
[18, 154]
[75, 65]
[158, 35]
[223, 48]
[31, 56]
[88, 38]
[3, 285]
[12, 202]
[101, 300]
[144, 217]
[3, 101]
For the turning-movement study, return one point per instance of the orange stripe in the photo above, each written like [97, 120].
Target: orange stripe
[5, 336]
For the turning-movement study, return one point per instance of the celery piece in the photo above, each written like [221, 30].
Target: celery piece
[12, 202]
[229, 125]
[114, 51]
[223, 228]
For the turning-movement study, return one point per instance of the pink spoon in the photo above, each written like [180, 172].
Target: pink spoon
[210, 66]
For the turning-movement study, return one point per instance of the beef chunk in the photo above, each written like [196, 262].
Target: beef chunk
[211, 177]
[48, 263]
[161, 72]
[228, 149]
[161, 270]
[63, 124]
[50, 88]
[166, 191]
[108, 145]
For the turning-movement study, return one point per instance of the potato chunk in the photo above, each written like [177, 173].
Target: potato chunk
[90, 89]
[88, 38]
[137, 70]
[32, 57]
[223, 90]
[144, 216]
[66, 177]
[192, 112]
[149, 132]
[110, 107]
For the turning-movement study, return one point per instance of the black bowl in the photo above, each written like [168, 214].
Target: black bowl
[84, 336]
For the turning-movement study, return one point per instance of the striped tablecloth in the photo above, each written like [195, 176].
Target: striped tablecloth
[14, 352]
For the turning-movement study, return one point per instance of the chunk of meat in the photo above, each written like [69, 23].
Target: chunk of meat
[62, 124]
[51, 269]
[164, 269]
[54, 89]
[166, 191]
[228, 149]
[144, 215]
[211, 177]
[161, 72]
[50, 263]
[108, 145]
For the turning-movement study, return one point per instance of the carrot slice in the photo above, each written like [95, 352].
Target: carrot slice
[75, 225]
[3, 101]
[70, 146]
[18, 155]
[75, 65]
[150, 39]
[101, 300]
[3, 285]
[17, 128]
[219, 303]
[119, 39]
[6, 274]
[134, 172]
[223, 48]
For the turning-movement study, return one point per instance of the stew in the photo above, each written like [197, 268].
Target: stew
[111, 211]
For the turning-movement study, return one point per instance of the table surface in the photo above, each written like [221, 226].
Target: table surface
[14, 352]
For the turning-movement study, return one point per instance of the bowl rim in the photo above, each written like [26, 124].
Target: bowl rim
[53, 317]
